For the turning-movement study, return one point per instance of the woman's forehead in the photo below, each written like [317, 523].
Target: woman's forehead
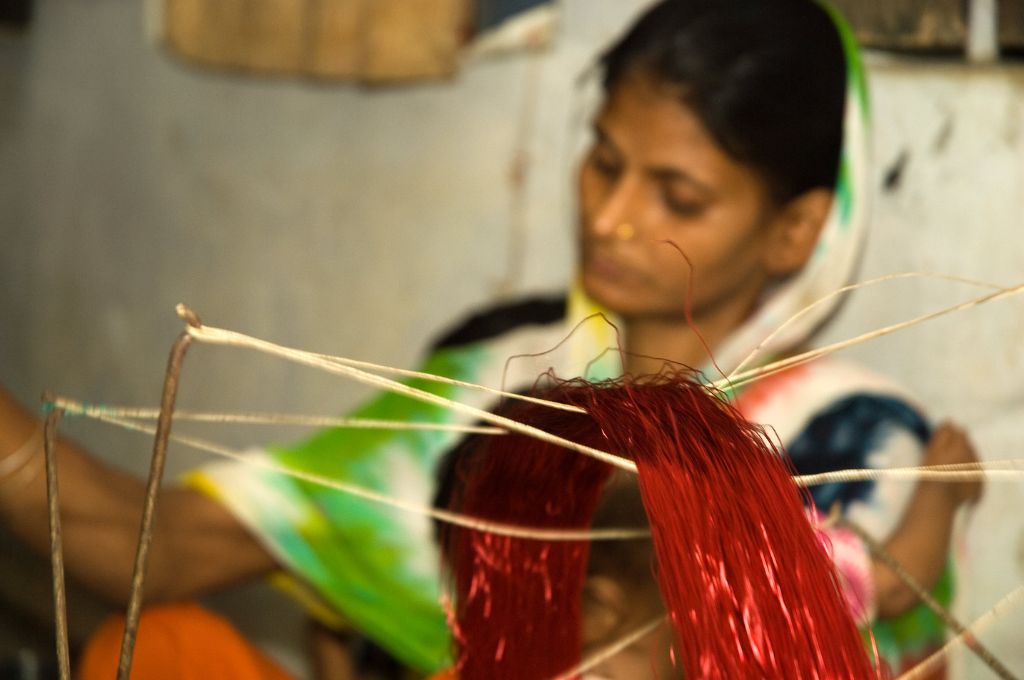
[641, 109]
[652, 126]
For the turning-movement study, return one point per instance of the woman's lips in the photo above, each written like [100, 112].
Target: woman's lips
[605, 267]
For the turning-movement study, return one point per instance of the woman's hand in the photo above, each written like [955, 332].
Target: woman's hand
[921, 540]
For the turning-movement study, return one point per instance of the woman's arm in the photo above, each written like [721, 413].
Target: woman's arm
[198, 545]
[921, 540]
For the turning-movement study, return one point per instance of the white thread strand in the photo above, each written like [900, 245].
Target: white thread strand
[225, 337]
[846, 289]
[1006, 464]
[73, 407]
[928, 474]
[1001, 609]
[432, 377]
[778, 366]
[997, 469]
[457, 519]
[220, 336]
[612, 649]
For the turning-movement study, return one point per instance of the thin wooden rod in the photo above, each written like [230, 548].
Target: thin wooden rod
[156, 471]
[56, 539]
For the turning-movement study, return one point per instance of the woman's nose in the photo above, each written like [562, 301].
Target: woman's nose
[618, 211]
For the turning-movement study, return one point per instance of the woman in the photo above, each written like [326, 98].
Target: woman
[726, 154]
[720, 138]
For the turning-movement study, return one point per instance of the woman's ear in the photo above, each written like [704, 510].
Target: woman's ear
[795, 230]
[604, 609]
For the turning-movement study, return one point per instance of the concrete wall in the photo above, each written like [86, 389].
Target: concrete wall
[360, 222]
[949, 199]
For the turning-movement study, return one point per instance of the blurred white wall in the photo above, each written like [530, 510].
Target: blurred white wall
[361, 222]
[949, 199]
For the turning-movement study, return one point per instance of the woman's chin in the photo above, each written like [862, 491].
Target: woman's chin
[610, 296]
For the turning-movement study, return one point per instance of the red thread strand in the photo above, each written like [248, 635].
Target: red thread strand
[749, 589]
[518, 600]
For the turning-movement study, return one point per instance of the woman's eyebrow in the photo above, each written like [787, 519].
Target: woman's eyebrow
[601, 136]
[666, 174]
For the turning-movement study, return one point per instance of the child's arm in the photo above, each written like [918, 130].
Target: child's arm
[921, 540]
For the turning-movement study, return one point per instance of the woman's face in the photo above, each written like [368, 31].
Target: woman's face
[654, 175]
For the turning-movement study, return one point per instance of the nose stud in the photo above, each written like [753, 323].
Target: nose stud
[624, 231]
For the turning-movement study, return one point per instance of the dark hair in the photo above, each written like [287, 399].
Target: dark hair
[767, 79]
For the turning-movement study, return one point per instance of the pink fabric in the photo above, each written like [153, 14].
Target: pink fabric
[851, 559]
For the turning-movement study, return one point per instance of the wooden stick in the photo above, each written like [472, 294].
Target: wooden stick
[56, 540]
[156, 470]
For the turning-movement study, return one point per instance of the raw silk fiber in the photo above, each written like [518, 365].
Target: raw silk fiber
[749, 589]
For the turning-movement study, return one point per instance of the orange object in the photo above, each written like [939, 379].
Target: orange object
[178, 642]
[445, 675]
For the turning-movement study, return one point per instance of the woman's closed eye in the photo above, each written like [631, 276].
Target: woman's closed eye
[683, 206]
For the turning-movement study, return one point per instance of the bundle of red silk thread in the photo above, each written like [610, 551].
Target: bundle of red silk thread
[748, 587]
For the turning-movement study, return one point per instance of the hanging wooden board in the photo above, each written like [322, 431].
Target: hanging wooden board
[364, 40]
[1011, 24]
[907, 24]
